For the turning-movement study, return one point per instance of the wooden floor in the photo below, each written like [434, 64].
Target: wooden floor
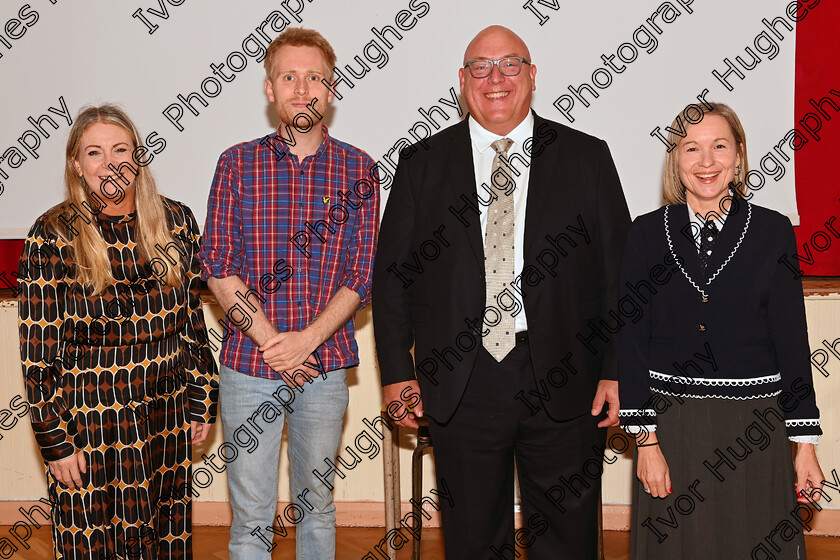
[353, 543]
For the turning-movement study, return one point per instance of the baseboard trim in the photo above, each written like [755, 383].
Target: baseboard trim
[826, 523]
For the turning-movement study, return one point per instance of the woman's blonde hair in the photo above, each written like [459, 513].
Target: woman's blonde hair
[672, 188]
[88, 248]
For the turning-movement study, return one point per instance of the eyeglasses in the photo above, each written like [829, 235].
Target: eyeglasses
[510, 66]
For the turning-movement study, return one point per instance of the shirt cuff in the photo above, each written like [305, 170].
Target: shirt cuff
[635, 430]
[805, 439]
[637, 420]
[217, 271]
[362, 289]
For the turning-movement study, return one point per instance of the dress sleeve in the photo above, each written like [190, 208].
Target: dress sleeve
[43, 346]
[636, 413]
[789, 333]
[200, 368]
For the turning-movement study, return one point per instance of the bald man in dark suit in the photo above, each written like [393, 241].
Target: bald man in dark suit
[498, 255]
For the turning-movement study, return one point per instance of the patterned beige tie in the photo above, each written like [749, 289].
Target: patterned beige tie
[498, 262]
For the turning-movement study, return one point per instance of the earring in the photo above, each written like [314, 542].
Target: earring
[737, 170]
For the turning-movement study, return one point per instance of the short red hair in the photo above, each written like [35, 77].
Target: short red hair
[299, 37]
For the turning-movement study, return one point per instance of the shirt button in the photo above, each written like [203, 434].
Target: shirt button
[702, 327]
[300, 303]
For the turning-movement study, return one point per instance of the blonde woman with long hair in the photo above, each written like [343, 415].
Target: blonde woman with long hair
[714, 373]
[119, 375]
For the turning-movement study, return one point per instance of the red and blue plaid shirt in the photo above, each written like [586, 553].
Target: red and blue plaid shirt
[294, 232]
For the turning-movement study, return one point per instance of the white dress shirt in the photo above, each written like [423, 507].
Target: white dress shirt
[697, 223]
[483, 155]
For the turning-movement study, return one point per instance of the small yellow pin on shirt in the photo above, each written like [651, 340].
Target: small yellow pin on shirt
[326, 199]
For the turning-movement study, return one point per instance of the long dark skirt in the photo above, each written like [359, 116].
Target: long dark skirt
[733, 485]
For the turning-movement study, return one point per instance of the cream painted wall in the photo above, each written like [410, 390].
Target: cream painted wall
[21, 470]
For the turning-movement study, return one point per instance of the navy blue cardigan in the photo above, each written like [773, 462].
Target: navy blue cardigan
[738, 333]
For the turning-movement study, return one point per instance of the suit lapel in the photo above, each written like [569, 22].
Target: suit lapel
[462, 182]
[682, 237]
[729, 236]
[539, 181]
[463, 185]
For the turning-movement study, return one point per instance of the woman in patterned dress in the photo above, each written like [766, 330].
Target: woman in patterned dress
[119, 375]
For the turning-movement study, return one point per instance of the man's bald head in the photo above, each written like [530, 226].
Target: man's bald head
[495, 34]
[498, 102]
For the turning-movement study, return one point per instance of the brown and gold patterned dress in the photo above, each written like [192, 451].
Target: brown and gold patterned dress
[118, 376]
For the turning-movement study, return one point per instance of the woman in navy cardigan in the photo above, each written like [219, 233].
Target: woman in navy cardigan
[714, 370]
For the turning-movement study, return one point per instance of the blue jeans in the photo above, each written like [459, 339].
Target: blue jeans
[252, 410]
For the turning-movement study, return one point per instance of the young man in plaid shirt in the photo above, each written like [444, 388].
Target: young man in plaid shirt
[288, 252]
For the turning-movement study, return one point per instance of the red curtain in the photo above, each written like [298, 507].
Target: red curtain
[817, 186]
[10, 250]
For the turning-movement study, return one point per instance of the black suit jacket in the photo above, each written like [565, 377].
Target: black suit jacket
[428, 281]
